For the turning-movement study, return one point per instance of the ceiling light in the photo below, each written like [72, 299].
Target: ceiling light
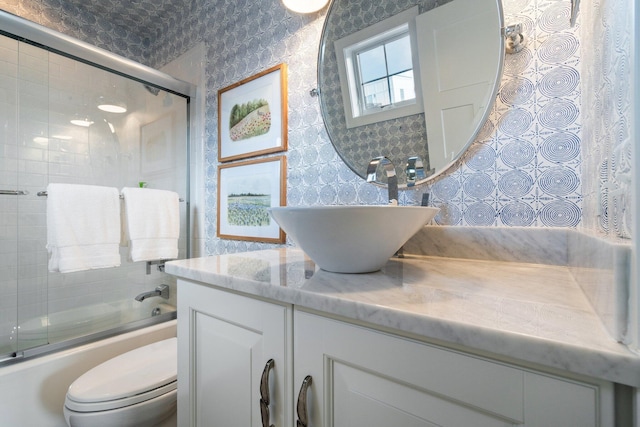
[83, 121]
[305, 6]
[111, 106]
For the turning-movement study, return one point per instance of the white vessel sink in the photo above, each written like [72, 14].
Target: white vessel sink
[351, 239]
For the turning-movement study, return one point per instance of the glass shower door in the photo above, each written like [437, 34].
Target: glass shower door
[23, 171]
[43, 94]
[9, 194]
[33, 168]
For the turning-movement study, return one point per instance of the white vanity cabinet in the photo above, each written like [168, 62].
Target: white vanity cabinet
[333, 373]
[362, 377]
[225, 343]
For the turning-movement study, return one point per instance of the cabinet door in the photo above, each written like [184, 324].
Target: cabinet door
[225, 341]
[363, 377]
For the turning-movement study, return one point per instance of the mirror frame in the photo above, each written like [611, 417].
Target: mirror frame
[323, 49]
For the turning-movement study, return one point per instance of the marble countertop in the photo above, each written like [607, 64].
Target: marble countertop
[530, 312]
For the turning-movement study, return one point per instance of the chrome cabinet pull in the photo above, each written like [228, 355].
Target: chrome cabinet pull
[303, 416]
[13, 192]
[264, 393]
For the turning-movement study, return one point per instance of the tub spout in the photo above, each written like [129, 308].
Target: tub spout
[161, 291]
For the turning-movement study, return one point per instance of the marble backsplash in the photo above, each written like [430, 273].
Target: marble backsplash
[600, 266]
[512, 244]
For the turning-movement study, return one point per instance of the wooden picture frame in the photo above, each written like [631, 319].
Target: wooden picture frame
[245, 192]
[252, 116]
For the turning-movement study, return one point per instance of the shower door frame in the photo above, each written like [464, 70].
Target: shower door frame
[26, 31]
[46, 38]
[15, 27]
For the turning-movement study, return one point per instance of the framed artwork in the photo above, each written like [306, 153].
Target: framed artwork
[156, 146]
[246, 190]
[252, 116]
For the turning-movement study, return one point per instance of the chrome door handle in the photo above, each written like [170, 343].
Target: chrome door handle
[264, 394]
[303, 415]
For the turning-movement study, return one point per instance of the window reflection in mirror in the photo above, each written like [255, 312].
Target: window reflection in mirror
[377, 69]
[460, 56]
[386, 73]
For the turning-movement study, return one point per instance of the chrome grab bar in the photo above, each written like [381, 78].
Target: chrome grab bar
[13, 192]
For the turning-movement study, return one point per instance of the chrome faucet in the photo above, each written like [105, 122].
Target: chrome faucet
[414, 170]
[392, 179]
[161, 291]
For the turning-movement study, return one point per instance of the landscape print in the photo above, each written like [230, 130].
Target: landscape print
[249, 119]
[252, 116]
[247, 202]
[246, 192]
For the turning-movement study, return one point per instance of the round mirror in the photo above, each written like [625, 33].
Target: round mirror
[412, 80]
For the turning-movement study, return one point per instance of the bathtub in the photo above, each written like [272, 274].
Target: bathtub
[32, 392]
[83, 321]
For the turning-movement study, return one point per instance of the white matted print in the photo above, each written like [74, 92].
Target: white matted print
[252, 115]
[246, 190]
[156, 146]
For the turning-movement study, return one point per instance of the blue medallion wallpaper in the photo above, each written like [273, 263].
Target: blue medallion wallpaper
[555, 151]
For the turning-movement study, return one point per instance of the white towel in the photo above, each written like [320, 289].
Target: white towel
[83, 227]
[152, 222]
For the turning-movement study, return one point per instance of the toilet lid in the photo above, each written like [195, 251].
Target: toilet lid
[133, 373]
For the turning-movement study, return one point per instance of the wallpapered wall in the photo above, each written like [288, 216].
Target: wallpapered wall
[605, 67]
[524, 168]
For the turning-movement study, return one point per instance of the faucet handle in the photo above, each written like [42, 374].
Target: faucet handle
[414, 170]
[390, 171]
[163, 290]
[372, 168]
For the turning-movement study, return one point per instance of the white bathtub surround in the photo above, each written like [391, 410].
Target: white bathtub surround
[33, 392]
[58, 326]
[600, 266]
[83, 227]
[152, 221]
[532, 313]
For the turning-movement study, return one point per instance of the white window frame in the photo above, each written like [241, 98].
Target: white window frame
[347, 49]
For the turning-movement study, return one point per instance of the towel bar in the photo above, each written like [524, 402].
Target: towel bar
[13, 192]
[44, 194]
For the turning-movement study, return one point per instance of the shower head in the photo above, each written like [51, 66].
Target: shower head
[152, 90]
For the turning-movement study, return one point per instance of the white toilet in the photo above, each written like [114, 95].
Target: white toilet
[134, 389]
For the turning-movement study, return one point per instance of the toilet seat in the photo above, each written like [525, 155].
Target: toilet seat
[119, 403]
[130, 378]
